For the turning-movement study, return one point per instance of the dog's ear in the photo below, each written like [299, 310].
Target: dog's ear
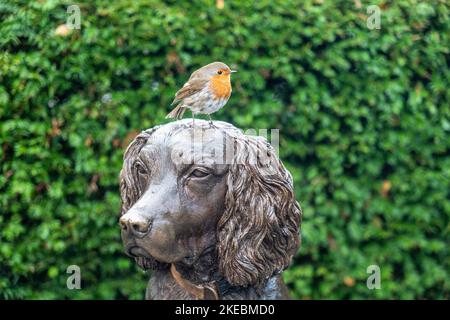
[131, 189]
[258, 232]
[129, 185]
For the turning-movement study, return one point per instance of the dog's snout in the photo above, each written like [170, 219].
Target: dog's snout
[139, 226]
[123, 223]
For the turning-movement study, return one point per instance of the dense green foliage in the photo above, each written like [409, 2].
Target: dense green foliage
[363, 114]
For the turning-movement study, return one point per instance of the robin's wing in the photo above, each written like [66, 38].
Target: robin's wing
[194, 85]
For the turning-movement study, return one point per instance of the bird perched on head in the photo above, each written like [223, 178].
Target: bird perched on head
[207, 90]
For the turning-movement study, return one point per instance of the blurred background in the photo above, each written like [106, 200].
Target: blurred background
[363, 114]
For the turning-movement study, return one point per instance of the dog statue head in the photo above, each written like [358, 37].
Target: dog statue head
[186, 191]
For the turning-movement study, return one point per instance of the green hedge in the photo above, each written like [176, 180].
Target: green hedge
[363, 114]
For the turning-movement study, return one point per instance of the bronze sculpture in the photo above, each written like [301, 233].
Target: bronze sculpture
[212, 211]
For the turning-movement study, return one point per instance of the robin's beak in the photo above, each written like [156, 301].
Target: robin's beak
[233, 71]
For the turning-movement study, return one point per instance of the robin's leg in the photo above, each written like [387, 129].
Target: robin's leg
[211, 124]
[193, 119]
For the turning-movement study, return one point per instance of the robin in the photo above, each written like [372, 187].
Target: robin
[207, 90]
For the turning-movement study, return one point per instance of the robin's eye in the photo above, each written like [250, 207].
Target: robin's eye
[219, 72]
[199, 173]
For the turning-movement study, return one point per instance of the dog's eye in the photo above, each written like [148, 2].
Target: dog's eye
[199, 173]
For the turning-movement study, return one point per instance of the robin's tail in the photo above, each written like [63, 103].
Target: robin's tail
[177, 113]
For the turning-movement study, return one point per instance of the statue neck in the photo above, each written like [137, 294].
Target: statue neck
[201, 276]
[201, 269]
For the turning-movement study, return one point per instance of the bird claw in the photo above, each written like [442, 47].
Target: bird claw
[212, 125]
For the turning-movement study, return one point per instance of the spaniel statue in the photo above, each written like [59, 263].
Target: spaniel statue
[210, 210]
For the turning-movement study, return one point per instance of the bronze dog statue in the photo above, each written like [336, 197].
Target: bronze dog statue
[212, 211]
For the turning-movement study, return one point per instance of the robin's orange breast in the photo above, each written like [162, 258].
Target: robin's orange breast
[220, 86]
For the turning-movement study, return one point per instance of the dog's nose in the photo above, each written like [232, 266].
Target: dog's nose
[138, 226]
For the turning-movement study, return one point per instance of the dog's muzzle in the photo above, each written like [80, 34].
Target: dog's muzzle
[136, 252]
[135, 226]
